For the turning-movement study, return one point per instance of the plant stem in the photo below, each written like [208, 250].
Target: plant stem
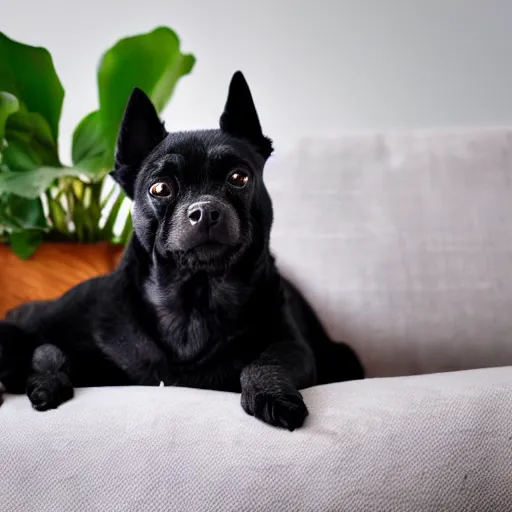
[107, 198]
[57, 214]
[95, 209]
[51, 213]
[127, 230]
[80, 216]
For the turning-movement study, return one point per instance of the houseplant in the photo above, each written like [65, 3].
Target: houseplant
[50, 212]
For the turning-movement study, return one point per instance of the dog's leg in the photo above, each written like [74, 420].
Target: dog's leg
[49, 385]
[16, 348]
[270, 385]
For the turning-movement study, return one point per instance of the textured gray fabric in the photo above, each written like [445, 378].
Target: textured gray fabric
[427, 443]
[404, 244]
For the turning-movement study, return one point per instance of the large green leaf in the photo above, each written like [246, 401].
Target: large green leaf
[88, 151]
[30, 142]
[28, 73]
[19, 213]
[8, 105]
[152, 62]
[25, 243]
[32, 183]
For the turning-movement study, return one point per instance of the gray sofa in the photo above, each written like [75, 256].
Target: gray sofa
[403, 243]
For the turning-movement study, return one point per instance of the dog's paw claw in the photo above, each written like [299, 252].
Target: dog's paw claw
[41, 399]
[47, 392]
[289, 413]
[281, 410]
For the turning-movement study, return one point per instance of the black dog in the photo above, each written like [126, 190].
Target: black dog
[196, 300]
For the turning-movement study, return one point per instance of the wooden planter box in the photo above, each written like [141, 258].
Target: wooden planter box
[54, 269]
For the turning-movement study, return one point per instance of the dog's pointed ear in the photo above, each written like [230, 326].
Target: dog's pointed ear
[140, 132]
[240, 118]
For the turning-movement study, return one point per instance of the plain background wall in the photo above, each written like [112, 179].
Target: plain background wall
[315, 67]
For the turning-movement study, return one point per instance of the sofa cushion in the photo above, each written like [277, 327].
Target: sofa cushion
[403, 242]
[426, 443]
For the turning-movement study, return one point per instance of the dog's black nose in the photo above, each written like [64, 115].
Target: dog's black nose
[205, 213]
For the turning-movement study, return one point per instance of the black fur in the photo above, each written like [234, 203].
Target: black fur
[196, 300]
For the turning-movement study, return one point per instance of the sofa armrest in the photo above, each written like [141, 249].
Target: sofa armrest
[425, 443]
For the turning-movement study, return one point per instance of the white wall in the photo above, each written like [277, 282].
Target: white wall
[322, 66]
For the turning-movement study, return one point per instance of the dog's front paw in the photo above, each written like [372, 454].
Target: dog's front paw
[278, 408]
[48, 391]
[2, 391]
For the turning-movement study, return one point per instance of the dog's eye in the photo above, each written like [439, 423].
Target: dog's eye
[238, 179]
[160, 189]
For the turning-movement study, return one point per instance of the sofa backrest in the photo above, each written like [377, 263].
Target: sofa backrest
[403, 244]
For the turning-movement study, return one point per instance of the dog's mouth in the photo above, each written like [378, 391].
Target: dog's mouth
[212, 247]
[210, 256]
[207, 242]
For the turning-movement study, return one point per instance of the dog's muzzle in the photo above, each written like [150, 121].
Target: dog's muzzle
[205, 222]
